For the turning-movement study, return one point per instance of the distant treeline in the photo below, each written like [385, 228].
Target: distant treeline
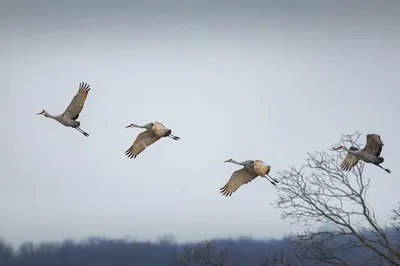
[109, 252]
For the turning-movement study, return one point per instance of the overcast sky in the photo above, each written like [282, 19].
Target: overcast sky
[234, 79]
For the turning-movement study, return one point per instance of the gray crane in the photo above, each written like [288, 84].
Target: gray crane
[68, 118]
[154, 131]
[251, 169]
[369, 154]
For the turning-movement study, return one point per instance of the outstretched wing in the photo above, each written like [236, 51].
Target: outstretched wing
[142, 141]
[349, 161]
[238, 178]
[374, 144]
[75, 107]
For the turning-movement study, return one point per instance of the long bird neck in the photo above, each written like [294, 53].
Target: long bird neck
[244, 163]
[46, 114]
[146, 126]
[356, 152]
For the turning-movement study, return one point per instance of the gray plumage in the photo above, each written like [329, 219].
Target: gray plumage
[369, 154]
[251, 169]
[154, 131]
[69, 117]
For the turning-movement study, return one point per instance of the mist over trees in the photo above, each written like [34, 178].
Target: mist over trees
[111, 252]
[340, 228]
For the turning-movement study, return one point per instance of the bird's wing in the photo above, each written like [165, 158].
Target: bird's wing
[238, 178]
[142, 141]
[75, 107]
[349, 161]
[374, 144]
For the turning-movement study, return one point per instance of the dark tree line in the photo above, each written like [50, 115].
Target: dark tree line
[108, 252]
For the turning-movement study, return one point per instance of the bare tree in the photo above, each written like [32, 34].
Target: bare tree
[280, 259]
[209, 255]
[206, 255]
[394, 227]
[319, 193]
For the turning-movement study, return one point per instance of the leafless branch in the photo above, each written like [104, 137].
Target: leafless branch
[207, 255]
[280, 259]
[394, 226]
[320, 193]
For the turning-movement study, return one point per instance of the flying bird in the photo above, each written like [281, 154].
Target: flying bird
[68, 118]
[154, 131]
[369, 154]
[251, 169]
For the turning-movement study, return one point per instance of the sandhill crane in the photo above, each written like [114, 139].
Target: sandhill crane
[68, 118]
[369, 154]
[251, 169]
[154, 131]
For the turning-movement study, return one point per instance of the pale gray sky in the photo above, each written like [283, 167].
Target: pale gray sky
[233, 79]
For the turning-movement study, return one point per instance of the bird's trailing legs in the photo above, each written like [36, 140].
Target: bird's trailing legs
[173, 137]
[83, 132]
[271, 180]
[276, 181]
[387, 170]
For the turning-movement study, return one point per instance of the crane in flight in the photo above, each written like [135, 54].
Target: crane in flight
[154, 131]
[251, 169]
[369, 154]
[68, 118]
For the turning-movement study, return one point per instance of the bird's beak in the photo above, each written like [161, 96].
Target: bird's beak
[39, 113]
[338, 148]
[227, 160]
[128, 126]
